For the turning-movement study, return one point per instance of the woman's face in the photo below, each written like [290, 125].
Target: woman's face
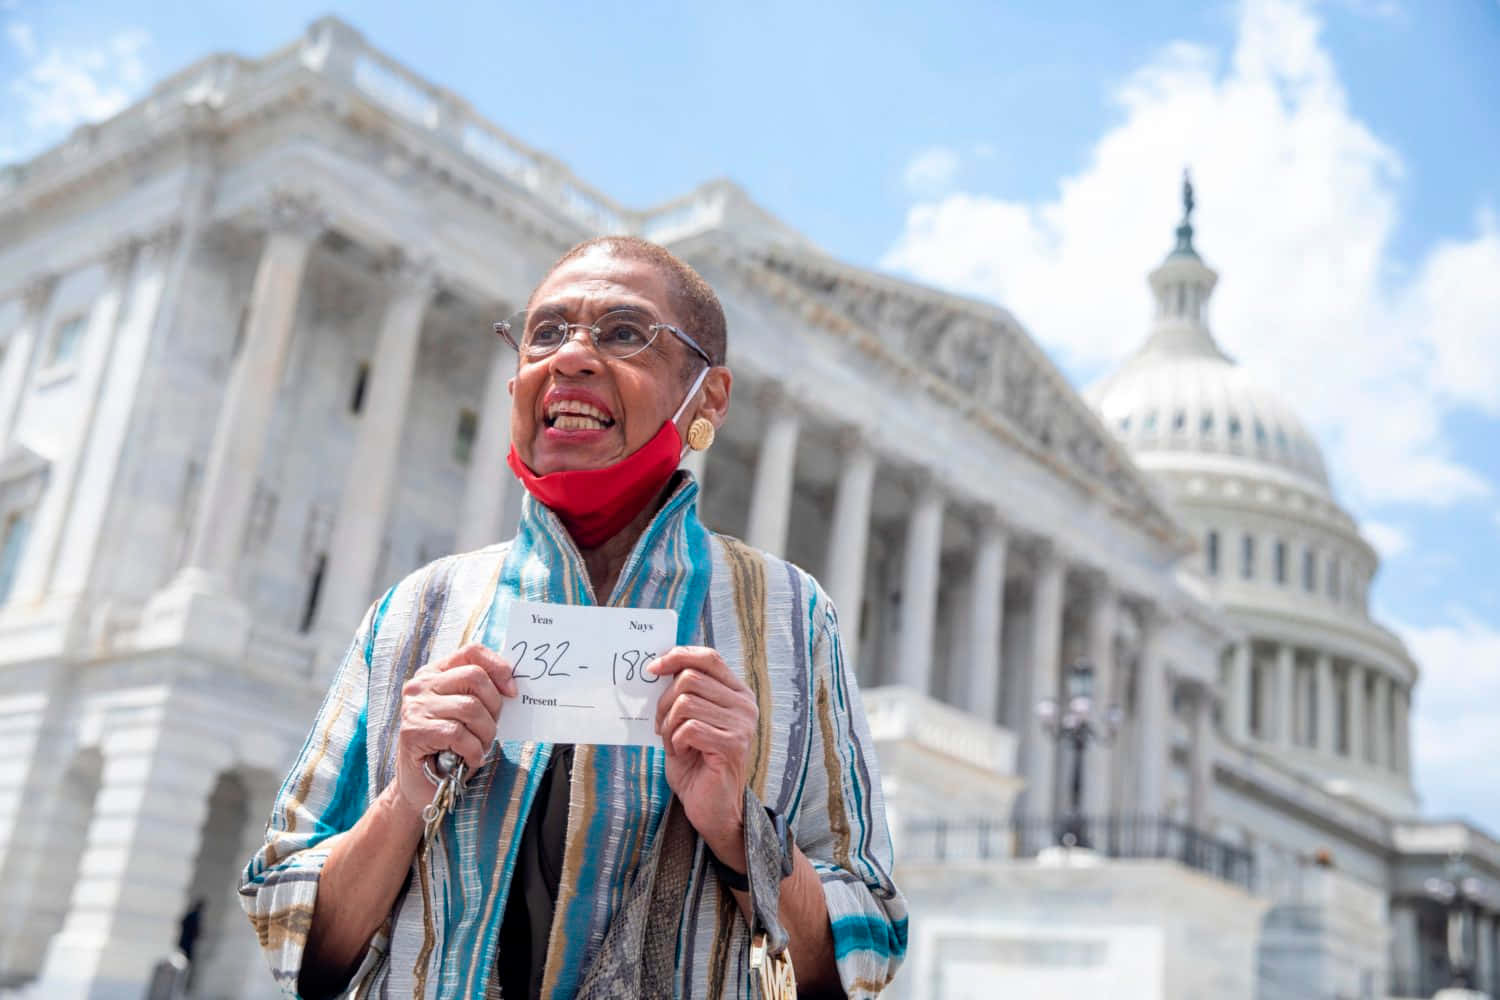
[577, 409]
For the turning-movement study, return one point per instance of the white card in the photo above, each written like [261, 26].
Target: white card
[580, 673]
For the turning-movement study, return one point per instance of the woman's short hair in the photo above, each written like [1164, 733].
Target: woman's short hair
[701, 314]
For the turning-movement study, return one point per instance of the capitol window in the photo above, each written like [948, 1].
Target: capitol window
[1333, 577]
[1179, 421]
[1150, 424]
[1247, 557]
[1309, 570]
[1211, 553]
[1234, 427]
[361, 382]
[12, 541]
[1260, 435]
[1206, 425]
[463, 436]
[63, 347]
[1280, 561]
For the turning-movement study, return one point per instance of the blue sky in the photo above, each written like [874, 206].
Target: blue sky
[1346, 154]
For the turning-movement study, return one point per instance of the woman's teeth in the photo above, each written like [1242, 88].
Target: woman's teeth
[576, 415]
[577, 422]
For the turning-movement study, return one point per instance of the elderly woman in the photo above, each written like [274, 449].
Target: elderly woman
[591, 870]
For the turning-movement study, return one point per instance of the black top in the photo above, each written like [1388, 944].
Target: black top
[527, 924]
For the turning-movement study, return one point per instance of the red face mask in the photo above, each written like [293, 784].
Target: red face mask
[595, 504]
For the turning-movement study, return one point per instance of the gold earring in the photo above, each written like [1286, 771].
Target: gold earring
[700, 434]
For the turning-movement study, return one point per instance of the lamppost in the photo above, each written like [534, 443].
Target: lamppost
[1074, 722]
[1458, 890]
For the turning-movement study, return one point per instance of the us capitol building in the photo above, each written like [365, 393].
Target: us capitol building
[246, 381]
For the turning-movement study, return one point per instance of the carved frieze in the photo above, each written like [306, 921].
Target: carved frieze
[986, 359]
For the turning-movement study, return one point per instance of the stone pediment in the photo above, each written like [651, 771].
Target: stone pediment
[979, 358]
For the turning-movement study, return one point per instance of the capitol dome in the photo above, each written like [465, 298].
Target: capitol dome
[1313, 682]
[1181, 394]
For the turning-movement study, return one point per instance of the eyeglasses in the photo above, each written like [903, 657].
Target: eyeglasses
[618, 334]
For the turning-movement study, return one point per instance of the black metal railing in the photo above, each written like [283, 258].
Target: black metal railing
[1111, 836]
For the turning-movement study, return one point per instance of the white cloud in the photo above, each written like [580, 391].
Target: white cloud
[1389, 540]
[57, 89]
[1457, 714]
[1297, 204]
[931, 172]
[22, 37]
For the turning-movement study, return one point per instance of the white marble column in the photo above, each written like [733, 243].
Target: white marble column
[1406, 944]
[21, 352]
[1200, 759]
[1403, 731]
[250, 397]
[1325, 697]
[849, 543]
[1103, 608]
[1286, 692]
[1484, 954]
[924, 538]
[138, 860]
[775, 472]
[1358, 712]
[1038, 751]
[370, 482]
[1153, 715]
[490, 479]
[1237, 698]
[92, 361]
[1381, 727]
[986, 620]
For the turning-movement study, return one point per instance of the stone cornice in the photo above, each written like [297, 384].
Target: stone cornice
[1052, 427]
[1264, 777]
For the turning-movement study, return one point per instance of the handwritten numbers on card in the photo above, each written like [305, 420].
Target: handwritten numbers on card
[581, 673]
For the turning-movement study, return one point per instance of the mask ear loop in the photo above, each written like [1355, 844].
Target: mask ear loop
[697, 384]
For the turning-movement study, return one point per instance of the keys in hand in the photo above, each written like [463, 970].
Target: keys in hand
[449, 773]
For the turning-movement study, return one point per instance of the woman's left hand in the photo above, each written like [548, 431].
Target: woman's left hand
[707, 720]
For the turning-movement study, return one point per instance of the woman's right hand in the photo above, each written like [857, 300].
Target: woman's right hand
[450, 704]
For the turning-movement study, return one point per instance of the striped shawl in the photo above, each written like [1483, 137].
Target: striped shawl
[813, 761]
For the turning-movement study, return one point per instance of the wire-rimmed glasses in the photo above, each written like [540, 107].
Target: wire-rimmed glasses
[618, 334]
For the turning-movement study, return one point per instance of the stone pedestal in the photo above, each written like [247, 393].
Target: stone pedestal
[938, 762]
[199, 614]
[1126, 930]
[1327, 937]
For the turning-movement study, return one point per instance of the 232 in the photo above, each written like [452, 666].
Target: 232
[539, 661]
